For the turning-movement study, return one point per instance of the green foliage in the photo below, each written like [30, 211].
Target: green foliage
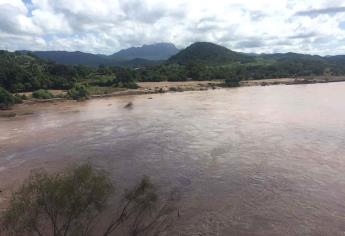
[6, 99]
[63, 203]
[114, 77]
[209, 54]
[103, 81]
[125, 78]
[79, 92]
[96, 90]
[67, 204]
[232, 83]
[42, 94]
[24, 72]
[200, 61]
[18, 98]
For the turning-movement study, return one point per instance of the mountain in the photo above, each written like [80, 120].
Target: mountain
[200, 52]
[88, 59]
[72, 58]
[146, 55]
[210, 54]
[339, 59]
[290, 56]
[158, 51]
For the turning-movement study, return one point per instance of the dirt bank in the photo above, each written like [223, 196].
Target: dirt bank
[289, 81]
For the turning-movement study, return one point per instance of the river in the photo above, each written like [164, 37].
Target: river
[245, 161]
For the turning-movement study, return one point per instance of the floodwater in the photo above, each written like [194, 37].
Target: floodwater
[245, 161]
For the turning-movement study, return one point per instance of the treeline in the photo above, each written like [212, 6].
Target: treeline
[24, 72]
[20, 73]
[237, 71]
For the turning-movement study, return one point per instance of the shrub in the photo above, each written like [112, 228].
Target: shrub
[42, 94]
[6, 99]
[131, 85]
[78, 92]
[18, 98]
[68, 203]
[232, 83]
[62, 203]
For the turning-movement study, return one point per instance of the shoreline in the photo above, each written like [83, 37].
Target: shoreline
[146, 88]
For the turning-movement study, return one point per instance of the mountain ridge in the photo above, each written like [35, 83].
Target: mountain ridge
[209, 53]
[199, 52]
[157, 51]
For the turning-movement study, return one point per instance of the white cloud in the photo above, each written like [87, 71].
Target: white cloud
[105, 26]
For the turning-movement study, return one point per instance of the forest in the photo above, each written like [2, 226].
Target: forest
[26, 72]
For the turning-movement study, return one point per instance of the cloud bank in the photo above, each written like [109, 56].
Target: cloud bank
[106, 26]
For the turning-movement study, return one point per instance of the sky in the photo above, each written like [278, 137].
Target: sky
[106, 26]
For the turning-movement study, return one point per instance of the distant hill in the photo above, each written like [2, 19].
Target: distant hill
[88, 59]
[21, 72]
[339, 60]
[132, 57]
[209, 53]
[72, 58]
[200, 53]
[158, 51]
[290, 56]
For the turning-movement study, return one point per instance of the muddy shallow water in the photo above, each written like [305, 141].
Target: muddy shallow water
[246, 161]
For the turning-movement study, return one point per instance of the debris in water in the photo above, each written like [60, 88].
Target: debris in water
[129, 105]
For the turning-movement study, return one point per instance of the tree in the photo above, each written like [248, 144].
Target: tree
[6, 99]
[69, 203]
[140, 211]
[42, 94]
[78, 92]
[61, 204]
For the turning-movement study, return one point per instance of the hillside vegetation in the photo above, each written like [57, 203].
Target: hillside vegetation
[23, 71]
[20, 73]
[132, 57]
[209, 54]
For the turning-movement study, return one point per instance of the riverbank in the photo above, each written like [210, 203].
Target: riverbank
[163, 87]
[248, 161]
[292, 81]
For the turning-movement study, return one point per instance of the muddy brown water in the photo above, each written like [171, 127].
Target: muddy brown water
[245, 161]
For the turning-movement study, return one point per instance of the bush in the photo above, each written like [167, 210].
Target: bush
[79, 92]
[62, 202]
[68, 203]
[42, 94]
[232, 83]
[6, 99]
[18, 98]
[131, 85]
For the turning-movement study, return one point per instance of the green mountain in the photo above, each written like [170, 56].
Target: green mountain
[72, 58]
[146, 55]
[290, 56]
[153, 52]
[25, 72]
[209, 54]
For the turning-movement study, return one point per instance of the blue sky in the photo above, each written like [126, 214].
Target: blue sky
[106, 26]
